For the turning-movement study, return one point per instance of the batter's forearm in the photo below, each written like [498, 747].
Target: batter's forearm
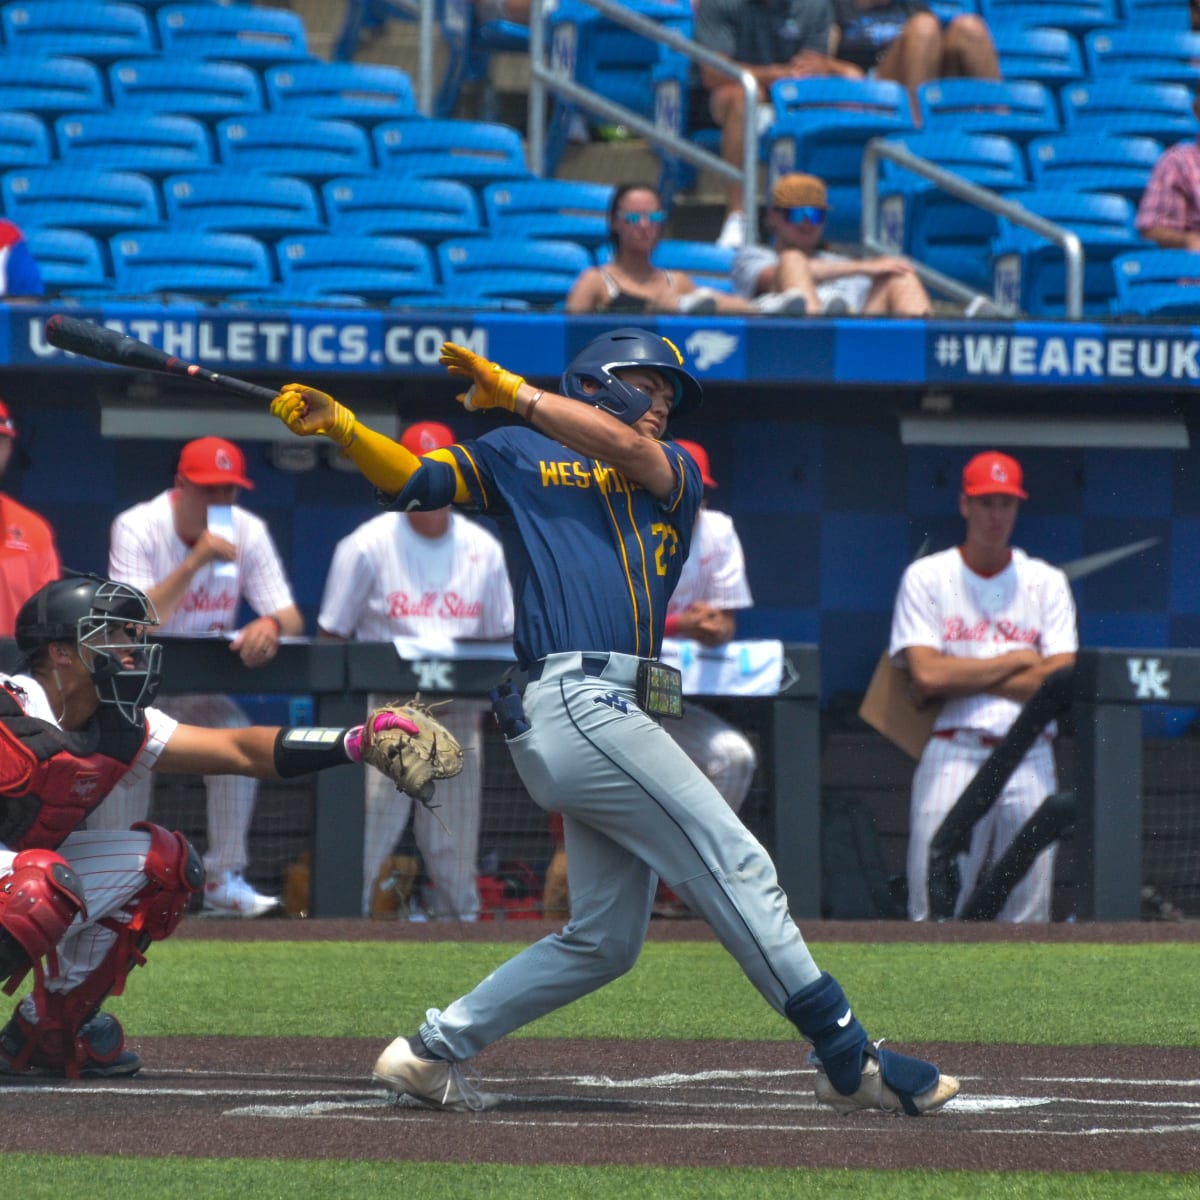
[389, 466]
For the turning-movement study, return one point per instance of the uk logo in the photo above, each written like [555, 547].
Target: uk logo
[434, 676]
[613, 701]
[1149, 678]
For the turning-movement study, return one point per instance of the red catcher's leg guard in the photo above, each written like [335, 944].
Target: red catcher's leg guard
[174, 872]
[38, 902]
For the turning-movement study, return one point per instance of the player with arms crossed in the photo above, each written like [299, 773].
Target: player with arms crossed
[596, 515]
[981, 626]
[73, 723]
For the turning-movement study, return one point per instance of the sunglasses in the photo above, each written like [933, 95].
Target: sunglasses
[635, 218]
[814, 214]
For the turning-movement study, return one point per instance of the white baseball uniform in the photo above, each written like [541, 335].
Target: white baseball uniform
[109, 863]
[387, 581]
[714, 573]
[144, 549]
[943, 604]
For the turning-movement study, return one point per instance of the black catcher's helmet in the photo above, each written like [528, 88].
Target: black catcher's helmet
[628, 348]
[104, 620]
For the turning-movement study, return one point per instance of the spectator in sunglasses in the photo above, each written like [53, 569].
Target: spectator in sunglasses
[798, 259]
[631, 282]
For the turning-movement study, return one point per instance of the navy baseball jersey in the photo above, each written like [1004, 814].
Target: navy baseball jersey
[561, 518]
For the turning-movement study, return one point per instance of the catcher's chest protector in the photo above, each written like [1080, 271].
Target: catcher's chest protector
[51, 778]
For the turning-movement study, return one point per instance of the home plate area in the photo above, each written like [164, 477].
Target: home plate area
[668, 1103]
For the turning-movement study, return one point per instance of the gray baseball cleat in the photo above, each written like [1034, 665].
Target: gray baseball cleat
[874, 1094]
[434, 1082]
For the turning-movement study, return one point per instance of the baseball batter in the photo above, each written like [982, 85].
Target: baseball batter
[596, 514]
[197, 578]
[981, 626]
[437, 575]
[73, 723]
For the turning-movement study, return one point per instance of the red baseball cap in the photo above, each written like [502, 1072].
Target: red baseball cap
[7, 428]
[213, 462]
[699, 453]
[424, 436]
[992, 473]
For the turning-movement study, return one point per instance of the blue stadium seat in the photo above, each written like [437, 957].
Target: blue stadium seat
[1078, 16]
[70, 261]
[209, 265]
[243, 33]
[570, 209]
[1162, 111]
[1157, 283]
[1018, 110]
[267, 207]
[1088, 163]
[708, 264]
[98, 32]
[475, 152]
[309, 149]
[151, 145]
[1047, 56]
[928, 224]
[371, 268]
[209, 91]
[1156, 14]
[1145, 54]
[97, 202]
[822, 126]
[429, 210]
[945, 10]
[1029, 272]
[50, 87]
[363, 92]
[24, 141]
[536, 272]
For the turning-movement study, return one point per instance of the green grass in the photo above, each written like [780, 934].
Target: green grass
[1052, 994]
[41, 1177]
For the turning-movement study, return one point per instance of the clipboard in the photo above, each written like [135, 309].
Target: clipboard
[887, 708]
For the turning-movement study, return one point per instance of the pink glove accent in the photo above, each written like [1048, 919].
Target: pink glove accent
[384, 720]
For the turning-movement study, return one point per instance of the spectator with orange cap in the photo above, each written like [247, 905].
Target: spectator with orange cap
[433, 577]
[28, 556]
[197, 554]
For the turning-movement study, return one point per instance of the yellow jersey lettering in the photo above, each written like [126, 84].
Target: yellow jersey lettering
[582, 474]
[668, 545]
[549, 474]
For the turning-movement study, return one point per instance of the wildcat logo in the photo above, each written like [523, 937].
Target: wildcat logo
[708, 347]
[613, 701]
[1149, 678]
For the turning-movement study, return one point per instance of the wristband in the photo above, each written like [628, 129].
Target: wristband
[300, 751]
[274, 621]
[534, 401]
[671, 625]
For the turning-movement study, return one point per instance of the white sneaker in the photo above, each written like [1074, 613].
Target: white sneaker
[232, 896]
[435, 1083]
[784, 304]
[733, 232]
[874, 1094]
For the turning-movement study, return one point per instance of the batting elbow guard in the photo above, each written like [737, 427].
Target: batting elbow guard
[431, 487]
[300, 751]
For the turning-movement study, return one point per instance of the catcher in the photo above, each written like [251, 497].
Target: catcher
[79, 908]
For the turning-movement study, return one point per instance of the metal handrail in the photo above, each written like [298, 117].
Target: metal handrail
[972, 193]
[545, 78]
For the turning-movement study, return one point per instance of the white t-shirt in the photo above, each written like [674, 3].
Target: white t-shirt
[144, 549]
[386, 580]
[943, 604]
[715, 569]
[750, 262]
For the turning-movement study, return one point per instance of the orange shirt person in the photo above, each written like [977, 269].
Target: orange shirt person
[28, 555]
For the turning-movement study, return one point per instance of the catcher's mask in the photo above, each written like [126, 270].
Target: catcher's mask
[108, 623]
[628, 348]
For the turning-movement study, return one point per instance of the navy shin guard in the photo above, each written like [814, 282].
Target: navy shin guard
[822, 1014]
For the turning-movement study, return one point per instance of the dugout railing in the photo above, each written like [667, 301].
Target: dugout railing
[339, 677]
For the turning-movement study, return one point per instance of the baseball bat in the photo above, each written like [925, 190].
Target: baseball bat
[95, 341]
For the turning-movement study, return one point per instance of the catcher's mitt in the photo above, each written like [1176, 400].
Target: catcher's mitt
[411, 747]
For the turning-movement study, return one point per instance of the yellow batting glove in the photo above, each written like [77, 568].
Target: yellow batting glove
[306, 412]
[491, 385]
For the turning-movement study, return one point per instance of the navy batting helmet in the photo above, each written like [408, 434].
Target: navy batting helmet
[597, 361]
[108, 624]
